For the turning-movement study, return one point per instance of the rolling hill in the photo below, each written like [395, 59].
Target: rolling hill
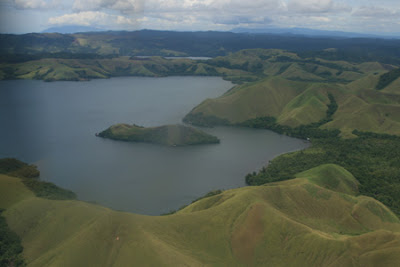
[306, 209]
[316, 219]
[295, 93]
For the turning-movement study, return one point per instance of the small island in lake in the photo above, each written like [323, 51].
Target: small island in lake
[169, 135]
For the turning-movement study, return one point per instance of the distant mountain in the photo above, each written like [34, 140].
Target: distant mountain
[312, 32]
[72, 29]
[196, 44]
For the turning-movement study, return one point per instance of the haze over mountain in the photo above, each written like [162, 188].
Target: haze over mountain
[314, 32]
[69, 29]
[72, 29]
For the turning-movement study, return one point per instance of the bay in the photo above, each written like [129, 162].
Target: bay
[53, 125]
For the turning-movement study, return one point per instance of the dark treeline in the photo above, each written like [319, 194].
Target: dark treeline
[149, 42]
[10, 245]
[20, 58]
[373, 159]
[30, 177]
[308, 131]
[387, 78]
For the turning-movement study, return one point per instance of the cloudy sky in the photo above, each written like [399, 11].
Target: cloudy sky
[366, 16]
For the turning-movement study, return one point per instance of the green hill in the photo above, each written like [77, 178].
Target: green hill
[296, 95]
[293, 223]
[292, 103]
[169, 135]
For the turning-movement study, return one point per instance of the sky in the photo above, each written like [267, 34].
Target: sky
[363, 16]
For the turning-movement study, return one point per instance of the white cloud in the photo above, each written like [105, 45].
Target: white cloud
[237, 20]
[30, 4]
[92, 18]
[347, 15]
[124, 6]
[317, 6]
[373, 11]
[320, 19]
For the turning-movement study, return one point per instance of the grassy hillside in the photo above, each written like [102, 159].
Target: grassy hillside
[66, 69]
[243, 66]
[373, 159]
[296, 94]
[292, 103]
[169, 135]
[299, 222]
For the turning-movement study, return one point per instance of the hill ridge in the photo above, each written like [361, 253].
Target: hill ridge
[210, 231]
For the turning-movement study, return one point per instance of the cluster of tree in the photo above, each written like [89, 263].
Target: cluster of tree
[254, 67]
[303, 131]
[201, 119]
[10, 245]
[388, 78]
[48, 190]
[30, 175]
[373, 159]
[311, 130]
[17, 168]
[20, 58]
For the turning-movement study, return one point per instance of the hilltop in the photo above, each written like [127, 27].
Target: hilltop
[311, 220]
[169, 135]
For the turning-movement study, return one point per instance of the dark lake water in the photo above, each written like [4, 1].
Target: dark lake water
[53, 125]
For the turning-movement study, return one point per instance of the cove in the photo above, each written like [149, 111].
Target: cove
[53, 125]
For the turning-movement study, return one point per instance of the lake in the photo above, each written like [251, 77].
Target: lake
[53, 125]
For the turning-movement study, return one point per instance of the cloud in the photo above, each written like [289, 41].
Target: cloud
[320, 19]
[317, 6]
[376, 12]
[30, 4]
[92, 18]
[237, 20]
[124, 6]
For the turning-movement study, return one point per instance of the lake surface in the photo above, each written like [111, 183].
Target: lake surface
[53, 125]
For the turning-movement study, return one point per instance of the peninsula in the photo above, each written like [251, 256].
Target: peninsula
[168, 135]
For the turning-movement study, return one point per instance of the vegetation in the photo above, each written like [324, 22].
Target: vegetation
[169, 135]
[309, 208]
[387, 78]
[303, 131]
[10, 245]
[164, 43]
[306, 221]
[200, 119]
[209, 194]
[240, 67]
[373, 159]
[30, 175]
[17, 168]
[48, 190]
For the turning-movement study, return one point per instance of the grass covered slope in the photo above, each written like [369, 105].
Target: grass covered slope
[298, 222]
[291, 103]
[169, 135]
[299, 99]
[373, 159]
